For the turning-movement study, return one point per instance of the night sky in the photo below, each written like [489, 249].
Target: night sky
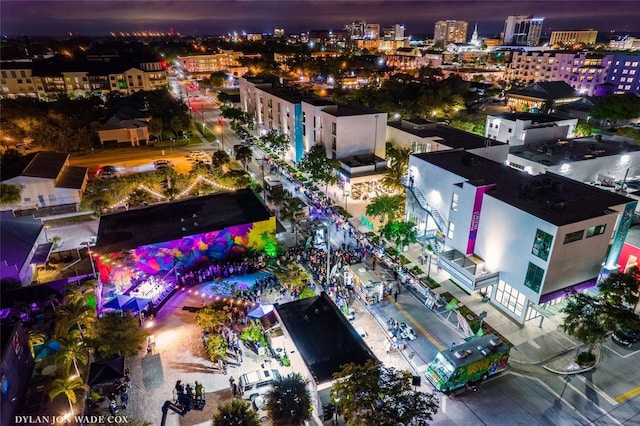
[99, 17]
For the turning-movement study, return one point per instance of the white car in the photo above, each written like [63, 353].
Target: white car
[195, 155]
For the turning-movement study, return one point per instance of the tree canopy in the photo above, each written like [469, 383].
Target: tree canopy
[276, 141]
[375, 395]
[587, 319]
[289, 401]
[235, 413]
[616, 108]
[318, 166]
[114, 334]
[9, 194]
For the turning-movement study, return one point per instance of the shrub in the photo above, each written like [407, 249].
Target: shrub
[586, 359]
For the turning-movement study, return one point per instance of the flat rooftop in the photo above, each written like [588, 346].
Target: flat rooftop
[323, 335]
[550, 197]
[529, 116]
[452, 137]
[171, 221]
[554, 153]
[348, 110]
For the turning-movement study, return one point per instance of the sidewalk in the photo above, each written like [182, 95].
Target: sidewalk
[533, 342]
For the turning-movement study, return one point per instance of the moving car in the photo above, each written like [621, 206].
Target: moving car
[625, 337]
[162, 164]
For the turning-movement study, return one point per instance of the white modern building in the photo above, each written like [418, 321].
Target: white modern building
[524, 127]
[523, 240]
[597, 160]
[420, 135]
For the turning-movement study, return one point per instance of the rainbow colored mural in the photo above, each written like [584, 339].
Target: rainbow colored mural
[231, 242]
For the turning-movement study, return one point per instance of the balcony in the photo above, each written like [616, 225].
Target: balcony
[467, 270]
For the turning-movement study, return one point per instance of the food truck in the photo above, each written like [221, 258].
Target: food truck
[468, 363]
[368, 286]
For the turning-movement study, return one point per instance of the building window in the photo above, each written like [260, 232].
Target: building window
[52, 198]
[452, 227]
[454, 202]
[542, 244]
[27, 199]
[333, 128]
[533, 280]
[510, 298]
[23, 186]
[596, 230]
[573, 236]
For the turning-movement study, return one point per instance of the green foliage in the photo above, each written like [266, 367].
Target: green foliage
[616, 108]
[68, 387]
[244, 154]
[253, 333]
[236, 116]
[375, 395]
[10, 194]
[271, 247]
[583, 129]
[216, 347]
[217, 78]
[385, 206]
[219, 159]
[289, 402]
[585, 359]
[114, 335]
[586, 319]
[630, 133]
[401, 233]
[276, 141]
[235, 413]
[318, 166]
[212, 318]
[398, 167]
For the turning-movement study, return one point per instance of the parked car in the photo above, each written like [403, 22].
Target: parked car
[625, 337]
[256, 383]
[194, 155]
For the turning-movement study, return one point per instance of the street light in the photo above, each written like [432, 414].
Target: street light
[335, 411]
[346, 198]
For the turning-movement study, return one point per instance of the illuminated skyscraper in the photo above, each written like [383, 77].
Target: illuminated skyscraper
[451, 31]
[522, 30]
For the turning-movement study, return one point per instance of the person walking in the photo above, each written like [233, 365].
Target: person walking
[234, 389]
[198, 390]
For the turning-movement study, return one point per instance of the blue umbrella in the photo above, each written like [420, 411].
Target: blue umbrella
[47, 349]
[117, 302]
[136, 304]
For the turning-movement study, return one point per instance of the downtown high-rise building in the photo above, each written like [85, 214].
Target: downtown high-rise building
[451, 31]
[522, 30]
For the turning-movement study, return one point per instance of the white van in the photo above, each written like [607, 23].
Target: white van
[257, 383]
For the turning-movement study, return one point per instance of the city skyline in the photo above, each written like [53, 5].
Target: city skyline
[91, 18]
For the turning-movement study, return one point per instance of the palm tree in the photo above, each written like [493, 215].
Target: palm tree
[384, 206]
[79, 292]
[34, 338]
[398, 168]
[289, 402]
[77, 314]
[72, 352]
[244, 155]
[292, 211]
[235, 413]
[69, 387]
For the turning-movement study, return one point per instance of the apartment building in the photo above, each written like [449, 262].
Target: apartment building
[524, 128]
[52, 77]
[522, 30]
[624, 73]
[344, 130]
[206, 64]
[587, 73]
[586, 37]
[451, 31]
[525, 241]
